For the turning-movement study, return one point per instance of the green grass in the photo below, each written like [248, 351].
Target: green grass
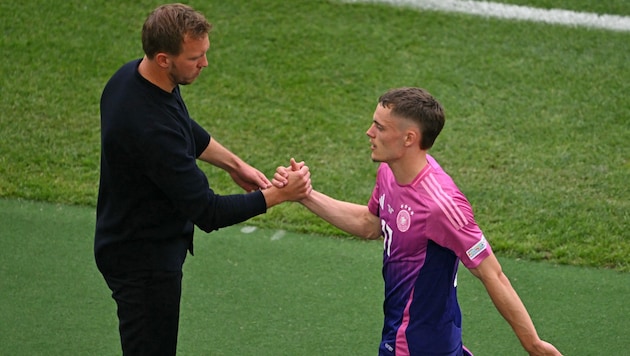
[265, 293]
[537, 116]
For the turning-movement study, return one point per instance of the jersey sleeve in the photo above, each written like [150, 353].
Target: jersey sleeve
[374, 203]
[453, 226]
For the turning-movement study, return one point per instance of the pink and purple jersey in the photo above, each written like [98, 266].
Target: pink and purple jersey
[428, 227]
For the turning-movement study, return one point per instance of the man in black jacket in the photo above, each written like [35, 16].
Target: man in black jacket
[152, 192]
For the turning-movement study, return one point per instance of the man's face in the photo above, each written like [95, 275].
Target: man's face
[186, 66]
[387, 137]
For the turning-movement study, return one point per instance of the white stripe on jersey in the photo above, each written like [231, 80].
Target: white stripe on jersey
[445, 202]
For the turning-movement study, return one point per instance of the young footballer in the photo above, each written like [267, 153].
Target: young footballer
[428, 227]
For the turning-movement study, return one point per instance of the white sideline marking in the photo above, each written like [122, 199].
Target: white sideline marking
[515, 12]
[248, 229]
[278, 235]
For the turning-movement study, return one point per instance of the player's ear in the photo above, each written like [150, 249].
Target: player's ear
[412, 137]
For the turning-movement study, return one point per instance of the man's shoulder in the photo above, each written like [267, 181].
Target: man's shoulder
[128, 68]
[121, 79]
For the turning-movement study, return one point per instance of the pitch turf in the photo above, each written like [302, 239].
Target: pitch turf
[270, 292]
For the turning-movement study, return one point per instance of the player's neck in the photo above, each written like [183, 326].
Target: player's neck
[407, 168]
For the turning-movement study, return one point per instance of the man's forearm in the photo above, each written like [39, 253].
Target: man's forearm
[219, 156]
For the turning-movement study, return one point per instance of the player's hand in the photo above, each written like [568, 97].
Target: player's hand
[543, 348]
[296, 185]
[281, 177]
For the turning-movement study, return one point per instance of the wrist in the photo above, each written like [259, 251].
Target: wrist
[272, 196]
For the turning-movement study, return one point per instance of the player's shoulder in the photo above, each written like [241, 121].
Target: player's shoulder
[434, 165]
[439, 176]
[441, 187]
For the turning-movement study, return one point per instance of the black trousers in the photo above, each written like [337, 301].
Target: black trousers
[148, 310]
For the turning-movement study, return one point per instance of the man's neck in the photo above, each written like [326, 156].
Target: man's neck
[152, 72]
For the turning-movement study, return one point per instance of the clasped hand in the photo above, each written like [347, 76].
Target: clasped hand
[282, 177]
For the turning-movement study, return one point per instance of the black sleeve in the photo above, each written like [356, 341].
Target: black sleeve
[170, 165]
[201, 136]
[227, 210]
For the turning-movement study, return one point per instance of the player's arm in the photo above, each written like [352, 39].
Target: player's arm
[246, 176]
[352, 218]
[509, 304]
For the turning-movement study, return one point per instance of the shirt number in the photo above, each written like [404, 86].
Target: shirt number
[387, 237]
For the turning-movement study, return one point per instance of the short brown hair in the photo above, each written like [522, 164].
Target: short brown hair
[419, 106]
[167, 26]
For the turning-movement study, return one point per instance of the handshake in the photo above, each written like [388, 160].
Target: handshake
[292, 183]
